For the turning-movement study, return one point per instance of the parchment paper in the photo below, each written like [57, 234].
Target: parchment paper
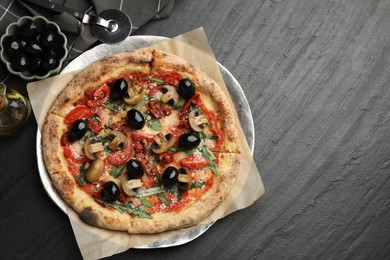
[95, 243]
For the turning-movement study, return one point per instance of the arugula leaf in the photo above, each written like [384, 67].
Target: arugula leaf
[149, 192]
[163, 199]
[146, 203]
[210, 157]
[207, 136]
[143, 103]
[81, 180]
[154, 124]
[117, 171]
[113, 107]
[158, 81]
[197, 184]
[140, 211]
[180, 104]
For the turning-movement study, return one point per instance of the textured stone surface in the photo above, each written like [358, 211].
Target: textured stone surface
[316, 75]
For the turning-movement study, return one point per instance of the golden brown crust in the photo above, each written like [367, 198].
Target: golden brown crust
[92, 212]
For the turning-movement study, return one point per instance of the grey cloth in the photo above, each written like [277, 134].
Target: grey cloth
[80, 36]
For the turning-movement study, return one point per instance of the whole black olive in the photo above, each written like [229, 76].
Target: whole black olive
[20, 62]
[169, 176]
[33, 48]
[30, 29]
[111, 191]
[36, 65]
[135, 170]
[11, 45]
[135, 119]
[77, 130]
[183, 185]
[186, 89]
[189, 140]
[49, 61]
[119, 90]
[49, 39]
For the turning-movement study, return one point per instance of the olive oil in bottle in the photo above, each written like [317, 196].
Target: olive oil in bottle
[15, 112]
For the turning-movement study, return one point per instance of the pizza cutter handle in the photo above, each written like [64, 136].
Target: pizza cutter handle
[56, 7]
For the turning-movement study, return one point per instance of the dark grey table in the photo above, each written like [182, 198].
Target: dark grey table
[316, 75]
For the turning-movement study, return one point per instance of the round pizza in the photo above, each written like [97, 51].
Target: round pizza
[142, 142]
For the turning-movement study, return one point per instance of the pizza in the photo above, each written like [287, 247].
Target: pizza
[141, 142]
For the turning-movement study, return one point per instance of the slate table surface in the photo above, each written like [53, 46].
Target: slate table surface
[316, 76]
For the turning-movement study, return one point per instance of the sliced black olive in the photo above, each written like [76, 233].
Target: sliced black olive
[111, 191]
[135, 119]
[169, 176]
[135, 170]
[20, 62]
[119, 90]
[186, 89]
[189, 140]
[77, 130]
[186, 184]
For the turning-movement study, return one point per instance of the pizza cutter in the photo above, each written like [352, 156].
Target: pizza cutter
[110, 26]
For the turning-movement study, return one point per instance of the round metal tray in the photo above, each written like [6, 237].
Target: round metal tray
[135, 42]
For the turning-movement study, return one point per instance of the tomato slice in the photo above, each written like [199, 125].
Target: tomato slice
[75, 157]
[169, 77]
[78, 113]
[120, 157]
[142, 137]
[94, 125]
[194, 162]
[99, 96]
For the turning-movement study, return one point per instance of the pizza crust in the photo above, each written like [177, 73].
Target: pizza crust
[89, 210]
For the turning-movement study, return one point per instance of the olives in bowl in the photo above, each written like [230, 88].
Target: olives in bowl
[33, 48]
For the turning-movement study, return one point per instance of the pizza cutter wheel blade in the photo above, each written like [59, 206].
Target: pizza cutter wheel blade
[118, 28]
[110, 26]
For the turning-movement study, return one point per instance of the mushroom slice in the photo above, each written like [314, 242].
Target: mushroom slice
[184, 180]
[129, 186]
[170, 97]
[91, 148]
[118, 140]
[94, 171]
[197, 121]
[162, 142]
[136, 95]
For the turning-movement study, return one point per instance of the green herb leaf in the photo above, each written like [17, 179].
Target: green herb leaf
[113, 107]
[149, 192]
[146, 203]
[158, 81]
[210, 157]
[154, 124]
[179, 104]
[81, 180]
[140, 211]
[117, 171]
[143, 103]
[197, 184]
[163, 199]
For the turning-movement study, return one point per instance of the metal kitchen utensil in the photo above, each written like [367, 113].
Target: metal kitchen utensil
[110, 26]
